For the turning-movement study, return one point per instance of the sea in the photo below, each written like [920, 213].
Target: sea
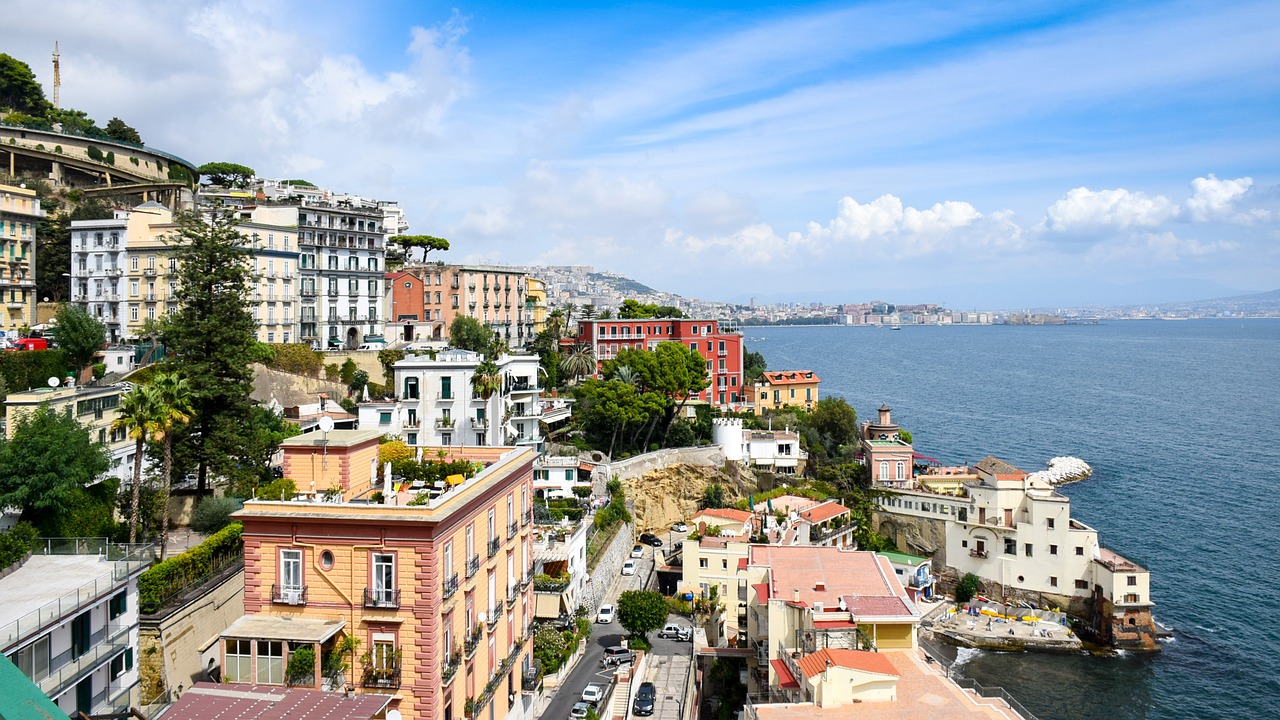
[1181, 423]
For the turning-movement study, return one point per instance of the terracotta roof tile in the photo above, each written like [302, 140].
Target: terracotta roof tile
[790, 377]
[999, 468]
[724, 513]
[863, 660]
[824, 512]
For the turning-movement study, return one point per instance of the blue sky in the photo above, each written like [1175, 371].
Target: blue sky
[977, 154]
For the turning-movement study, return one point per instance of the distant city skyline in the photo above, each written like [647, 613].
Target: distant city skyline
[977, 155]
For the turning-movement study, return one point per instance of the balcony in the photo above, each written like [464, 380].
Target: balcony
[281, 595]
[103, 644]
[386, 676]
[308, 292]
[480, 423]
[445, 396]
[978, 554]
[513, 595]
[450, 586]
[149, 271]
[495, 614]
[444, 423]
[473, 566]
[494, 545]
[513, 527]
[382, 598]
[473, 642]
[522, 385]
[450, 670]
[412, 422]
[527, 517]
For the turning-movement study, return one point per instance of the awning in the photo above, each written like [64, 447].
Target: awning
[834, 625]
[918, 456]
[786, 680]
[275, 627]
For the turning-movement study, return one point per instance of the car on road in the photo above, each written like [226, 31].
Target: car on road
[629, 567]
[680, 527]
[616, 655]
[593, 694]
[637, 551]
[646, 698]
[605, 614]
[580, 710]
[651, 539]
[676, 631]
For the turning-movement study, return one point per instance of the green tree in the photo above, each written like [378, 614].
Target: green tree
[19, 89]
[713, 496]
[579, 361]
[47, 471]
[486, 379]
[173, 405]
[298, 358]
[388, 359]
[634, 309]
[836, 423]
[967, 587]
[117, 129]
[226, 174]
[212, 336]
[359, 380]
[671, 368]
[607, 409]
[79, 334]
[753, 366]
[260, 438]
[138, 416]
[467, 333]
[347, 371]
[641, 612]
[426, 243]
[75, 121]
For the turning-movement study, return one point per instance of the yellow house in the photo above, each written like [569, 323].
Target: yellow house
[19, 212]
[786, 388]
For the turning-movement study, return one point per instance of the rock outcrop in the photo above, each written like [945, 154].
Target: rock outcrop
[664, 496]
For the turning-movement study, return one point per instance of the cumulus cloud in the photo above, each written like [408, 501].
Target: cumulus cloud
[1082, 208]
[1214, 199]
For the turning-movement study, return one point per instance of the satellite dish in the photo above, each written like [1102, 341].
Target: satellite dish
[326, 424]
[393, 715]
[54, 382]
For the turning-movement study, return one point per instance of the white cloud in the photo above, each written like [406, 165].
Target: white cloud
[1145, 248]
[1214, 199]
[1082, 208]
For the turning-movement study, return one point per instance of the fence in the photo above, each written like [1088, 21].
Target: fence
[934, 653]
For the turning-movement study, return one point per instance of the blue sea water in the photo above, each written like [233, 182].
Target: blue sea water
[1181, 423]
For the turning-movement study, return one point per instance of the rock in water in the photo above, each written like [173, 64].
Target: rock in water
[1063, 470]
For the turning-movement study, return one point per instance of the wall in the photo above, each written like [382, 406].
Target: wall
[607, 569]
[170, 645]
[915, 535]
[640, 464]
[291, 390]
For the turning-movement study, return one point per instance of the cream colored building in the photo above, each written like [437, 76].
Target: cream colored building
[19, 212]
[94, 407]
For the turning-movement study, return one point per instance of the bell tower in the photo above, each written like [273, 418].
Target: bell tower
[886, 453]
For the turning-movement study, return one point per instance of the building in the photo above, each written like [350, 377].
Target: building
[776, 451]
[208, 701]
[536, 296]
[915, 573]
[19, 213]
[495, 296]
[720, 346]
[826, 523]
[885, 452]
[71, 612]
[436, 404]
[785, 388]
[560, 569]
[555, 476]
[95, 407]
[434, 583]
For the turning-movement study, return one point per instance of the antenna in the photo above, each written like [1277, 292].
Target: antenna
[57, 74]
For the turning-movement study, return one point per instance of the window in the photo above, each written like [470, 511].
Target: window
[702, 562]
[121, 664]
[1082, 584]
[238, 662]
[118, 606]
[411, 388]
[384, 577]
[492, 534]
[724, 564]
[902, 470]
[1026, 548]
[384, 648]
[1079, 550]
[1048, 522]
[1010, 546]
[884, 470]
[1053, 581]
[291, 570]
[1053, 549]
[271, 662]
[1131, 598]
[33, 660]
[1132, 580]
[133, 263]
[384, 417]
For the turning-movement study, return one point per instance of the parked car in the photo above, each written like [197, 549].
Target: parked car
[646, 698]
[637, 551]
[680, 527]
[651, 539]
[605, 614]
[617, 655]
[592, 693]
[629, 567]
[31, 344]
[673, 631]
[580, 710]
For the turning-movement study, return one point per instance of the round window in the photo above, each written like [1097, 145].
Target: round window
[326, 560]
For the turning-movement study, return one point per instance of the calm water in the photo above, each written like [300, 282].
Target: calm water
[1181, 423]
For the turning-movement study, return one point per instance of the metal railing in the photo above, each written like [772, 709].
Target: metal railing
[495, 614]
[382, 677]
[934, 654]
[473, 566]
[527, 517]
[513, 527]
[386, 598]
[473, 642]
[451, 666]
[494, 545]
[115, 641]
[450, 586]
[282, 595]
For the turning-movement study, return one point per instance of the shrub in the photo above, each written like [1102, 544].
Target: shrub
[213, 514]
[331, 371]
[16, 543]
[95, 154]
[111, 158]
[279, 489]
[99, 369]
[39, 146]
[967, 587]
[582, 491]
[302, 666]
[133, 160]
[298, 358]
[57, 149]
[162, 580]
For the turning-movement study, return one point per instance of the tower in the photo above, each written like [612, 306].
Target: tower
[885, 452]
[57, 75]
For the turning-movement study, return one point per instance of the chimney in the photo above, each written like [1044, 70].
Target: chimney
[820, 586]
[795, 595]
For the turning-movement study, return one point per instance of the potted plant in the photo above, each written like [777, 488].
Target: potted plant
[470, 708]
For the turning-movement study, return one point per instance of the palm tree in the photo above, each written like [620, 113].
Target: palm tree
[579, 361]
[486, 380]
[499, 348]
[137, 416]
[625, 374]
[174, 397]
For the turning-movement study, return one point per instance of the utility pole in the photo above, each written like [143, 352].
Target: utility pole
[57, 75]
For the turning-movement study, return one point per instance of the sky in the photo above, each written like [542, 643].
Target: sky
[975, 154]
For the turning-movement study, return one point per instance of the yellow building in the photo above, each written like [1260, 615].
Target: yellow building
[786, 388]
[536, 300]
[435, 584]
[93, 407]
[19, 211]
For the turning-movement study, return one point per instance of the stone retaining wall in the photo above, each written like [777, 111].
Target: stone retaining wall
[609, 566]
[634, 467]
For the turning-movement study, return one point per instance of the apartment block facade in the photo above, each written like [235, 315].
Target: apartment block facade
[785, 388]
[95, 407]
[437, 591]
[720, 347]
[71, 625]
[19, 213]
[425, 305]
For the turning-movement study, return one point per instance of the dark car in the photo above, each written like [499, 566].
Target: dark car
[651, 539]
[645, 699]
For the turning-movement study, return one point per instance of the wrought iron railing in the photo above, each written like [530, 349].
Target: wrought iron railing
[385, 598]
[494, 545]
[473, 566]
[282, 595]
[512, 528]
[450, 586]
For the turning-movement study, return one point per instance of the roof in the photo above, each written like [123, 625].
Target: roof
[762, 591]
[811, 574]
[824, 512]
[23, 700]
[206, 701]
[333, 438]
[283, 627]
[862, 660]
[790, 377]
[1115, 562]
[903, 558]
[999, 469]
[724, 514]
[834, 625]
[786, 503]
[872, 606]
[785, 679]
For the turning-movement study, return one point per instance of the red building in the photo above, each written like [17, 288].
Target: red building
[722, 349]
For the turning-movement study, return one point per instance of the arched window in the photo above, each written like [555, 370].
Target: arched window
[902, 470]
[884, 469]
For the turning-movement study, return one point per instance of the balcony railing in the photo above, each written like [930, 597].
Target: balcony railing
[473, 642]
[444, 395]
[383, 598]
[512, 528]
[473, 566]
[550, 586]
[527, 517]
[444, 423]
[450, 670]
[495, 614]
[494, 545]
[451, 586]
[480, 423]
[978, 553]
[387, 676]
[70, 670]
[513, 595]
[281, 595]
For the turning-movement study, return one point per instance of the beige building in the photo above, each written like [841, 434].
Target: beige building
[19, 212]
[94, 407]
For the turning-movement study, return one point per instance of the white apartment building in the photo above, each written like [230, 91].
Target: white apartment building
[437, 407]
[555, 477]
[70, 622]
[776, 451]
[343, 259]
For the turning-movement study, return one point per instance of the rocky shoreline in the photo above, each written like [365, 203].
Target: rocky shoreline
[1063, 470]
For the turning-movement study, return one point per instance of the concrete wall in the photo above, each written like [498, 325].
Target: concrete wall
[171, 645]
[609, 566]
[291, 390]
[925, 537]
[640, 464]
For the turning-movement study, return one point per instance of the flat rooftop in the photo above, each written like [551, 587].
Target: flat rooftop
[46, 578]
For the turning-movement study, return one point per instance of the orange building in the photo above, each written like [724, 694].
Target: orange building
[779, 389]
[433, 584]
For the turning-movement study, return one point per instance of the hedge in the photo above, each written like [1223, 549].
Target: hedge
[164, 580]
[32, 368]
[16, 543]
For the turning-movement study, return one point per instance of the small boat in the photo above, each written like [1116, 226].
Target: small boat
[896, 327]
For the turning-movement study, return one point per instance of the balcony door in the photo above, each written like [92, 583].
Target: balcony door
[384, 578]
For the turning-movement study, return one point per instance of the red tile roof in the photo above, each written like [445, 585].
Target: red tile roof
[824, 512]
[869, 606]
[725, 514]
[834, 624]
[785, 679]
[207, 701]
[762, 592]
[790, 377]
[1000, 469]
[814, 663]
[824, 574]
